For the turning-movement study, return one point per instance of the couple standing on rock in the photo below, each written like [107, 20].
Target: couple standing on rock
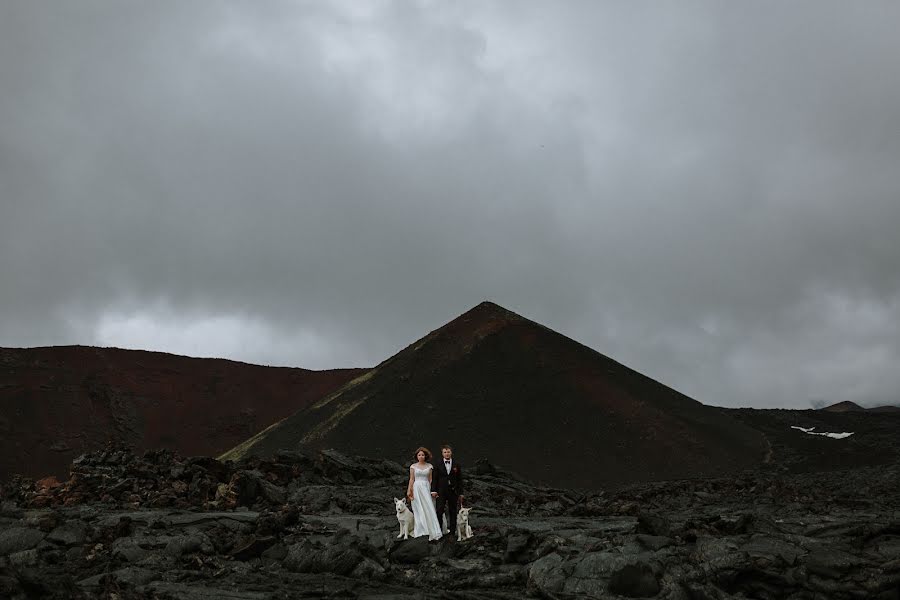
[428, 484]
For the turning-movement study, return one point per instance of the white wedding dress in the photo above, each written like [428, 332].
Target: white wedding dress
[423, 505]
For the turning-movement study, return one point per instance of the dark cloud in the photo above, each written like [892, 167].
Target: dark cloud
[707, 193]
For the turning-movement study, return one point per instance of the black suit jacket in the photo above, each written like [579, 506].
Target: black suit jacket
[447, 485]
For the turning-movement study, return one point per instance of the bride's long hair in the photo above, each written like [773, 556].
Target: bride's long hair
[425, 450]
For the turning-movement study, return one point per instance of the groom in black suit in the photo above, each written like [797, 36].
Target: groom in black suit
[447, 487]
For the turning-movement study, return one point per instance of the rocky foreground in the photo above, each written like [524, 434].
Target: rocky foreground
[322, 526]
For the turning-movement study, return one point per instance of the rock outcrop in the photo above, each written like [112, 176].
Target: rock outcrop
[321, 525]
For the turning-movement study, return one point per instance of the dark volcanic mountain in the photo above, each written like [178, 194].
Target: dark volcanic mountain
[845, 406]
[505, 388]
[59, 402]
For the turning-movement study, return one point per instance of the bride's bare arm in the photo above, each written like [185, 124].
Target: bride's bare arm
[409, 488]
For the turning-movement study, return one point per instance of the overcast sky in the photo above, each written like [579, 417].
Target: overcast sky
[708, 192]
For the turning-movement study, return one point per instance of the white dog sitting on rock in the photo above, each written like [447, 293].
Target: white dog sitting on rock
[406, 518]
[463, 530]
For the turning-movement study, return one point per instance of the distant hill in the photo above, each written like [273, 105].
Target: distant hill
[58, 402]
[847, 406]
[500, 386]
[844, 406]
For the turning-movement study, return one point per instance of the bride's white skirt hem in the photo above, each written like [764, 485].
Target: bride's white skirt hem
[425, 513]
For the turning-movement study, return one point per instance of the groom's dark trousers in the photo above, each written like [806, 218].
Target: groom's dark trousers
[448, 488]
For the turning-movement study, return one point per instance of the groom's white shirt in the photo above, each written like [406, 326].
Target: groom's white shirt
[448, 465]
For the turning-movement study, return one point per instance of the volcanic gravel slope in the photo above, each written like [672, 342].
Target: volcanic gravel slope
[59, 402]
[874, 440]
[497, 385]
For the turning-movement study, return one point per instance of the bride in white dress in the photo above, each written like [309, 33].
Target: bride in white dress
[419, 494]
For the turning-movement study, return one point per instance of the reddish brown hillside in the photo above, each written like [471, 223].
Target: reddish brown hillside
[59, 402]
[502, 387]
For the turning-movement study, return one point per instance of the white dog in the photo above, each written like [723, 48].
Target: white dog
[406, 518]
[463, 531]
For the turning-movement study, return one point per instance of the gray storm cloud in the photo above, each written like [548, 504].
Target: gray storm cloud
[708, 193]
